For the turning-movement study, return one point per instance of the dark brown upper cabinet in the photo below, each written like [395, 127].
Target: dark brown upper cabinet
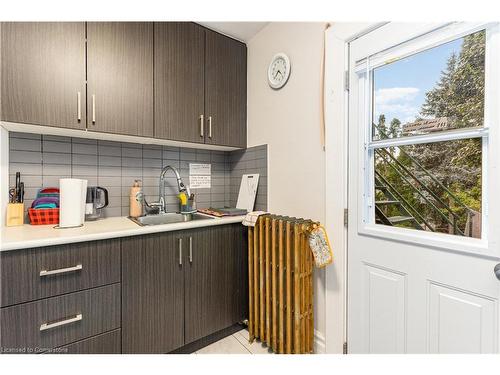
[200, 85]
[225, 90]
[179, 81]
[120, 77]
[43, 73]
[168, 80]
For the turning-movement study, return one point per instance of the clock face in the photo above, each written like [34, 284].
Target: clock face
[279, 71]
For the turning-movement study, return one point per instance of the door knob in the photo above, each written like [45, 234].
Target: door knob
[497, 271]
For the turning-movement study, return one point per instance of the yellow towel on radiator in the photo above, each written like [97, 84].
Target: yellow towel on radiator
[320, 247]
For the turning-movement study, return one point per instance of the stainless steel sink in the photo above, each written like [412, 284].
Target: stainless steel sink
[168, 218]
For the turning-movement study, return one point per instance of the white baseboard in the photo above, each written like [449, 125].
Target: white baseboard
[319, 343]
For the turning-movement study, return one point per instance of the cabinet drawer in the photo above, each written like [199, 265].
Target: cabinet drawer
[42, 325]
[31, 274]
[106, 343]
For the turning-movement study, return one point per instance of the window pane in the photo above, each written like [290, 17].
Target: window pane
[434, 187]
[439, 89]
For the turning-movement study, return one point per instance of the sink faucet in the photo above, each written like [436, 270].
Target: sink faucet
[183, 189]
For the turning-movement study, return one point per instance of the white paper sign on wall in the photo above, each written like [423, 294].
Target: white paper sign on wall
[197, 169]
[200, 182]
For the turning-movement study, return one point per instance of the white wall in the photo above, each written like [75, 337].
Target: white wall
[288, 120]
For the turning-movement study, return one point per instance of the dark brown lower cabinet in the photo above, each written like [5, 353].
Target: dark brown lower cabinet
[153, 294]
[213, 296]
[179, 287]
[177, 290]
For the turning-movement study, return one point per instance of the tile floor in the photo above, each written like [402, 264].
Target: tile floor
[237, 343]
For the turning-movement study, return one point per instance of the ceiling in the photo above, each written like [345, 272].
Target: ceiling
[243, 31]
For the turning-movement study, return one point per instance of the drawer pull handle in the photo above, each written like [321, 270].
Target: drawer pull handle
[78, 267]
[46, 326]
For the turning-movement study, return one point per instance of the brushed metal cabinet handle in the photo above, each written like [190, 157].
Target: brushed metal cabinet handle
[93, 109]
[79, 105]
[46, 326]
[210, 127]
[180, 251]
[202, 130]
[190, 249]
[78, 267]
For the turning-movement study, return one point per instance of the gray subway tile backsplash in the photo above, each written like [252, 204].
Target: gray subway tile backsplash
[56, 158]
[43, 160]
[60, 170]
[63, 146]
[26, 156]
[155, 154]
[25, 144]
[130, 152]
[105, 150]
[251, 160]
[84, 148]
[84, 159]
[110, 161]
[84, 170]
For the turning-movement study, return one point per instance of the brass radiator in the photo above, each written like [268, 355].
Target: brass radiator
[280, 277]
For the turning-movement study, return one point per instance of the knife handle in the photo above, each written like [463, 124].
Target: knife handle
[18, 186]
[21, 192]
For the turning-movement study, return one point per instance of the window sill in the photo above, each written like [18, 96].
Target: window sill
[439, 241]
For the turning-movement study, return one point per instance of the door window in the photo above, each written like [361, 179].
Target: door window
[427, 139]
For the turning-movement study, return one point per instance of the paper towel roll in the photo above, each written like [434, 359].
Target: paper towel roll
[72, 198]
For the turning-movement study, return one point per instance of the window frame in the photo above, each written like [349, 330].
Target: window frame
[363, 71]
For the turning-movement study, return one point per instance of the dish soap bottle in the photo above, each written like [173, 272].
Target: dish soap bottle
[135, 200]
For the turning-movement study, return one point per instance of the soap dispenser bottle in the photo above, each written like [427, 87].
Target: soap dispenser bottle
[135, 200]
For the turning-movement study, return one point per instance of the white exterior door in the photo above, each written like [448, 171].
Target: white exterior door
[422, 249]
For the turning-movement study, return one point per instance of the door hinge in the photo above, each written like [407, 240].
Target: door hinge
[344, 349]
[346, 80]
[346, 217]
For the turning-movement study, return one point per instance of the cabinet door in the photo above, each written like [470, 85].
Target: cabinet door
[225, 90]
[179, 81]
[212, 280]
[43, 73]
[120, 77]
[152, 294]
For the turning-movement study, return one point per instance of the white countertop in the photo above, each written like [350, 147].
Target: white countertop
[29, 236]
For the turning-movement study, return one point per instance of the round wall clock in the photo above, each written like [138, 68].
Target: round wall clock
[279, 71]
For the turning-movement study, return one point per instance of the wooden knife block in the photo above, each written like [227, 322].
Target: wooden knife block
[15, 214]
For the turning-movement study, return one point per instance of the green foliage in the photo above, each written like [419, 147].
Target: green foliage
[394, 130]
[459, 96]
